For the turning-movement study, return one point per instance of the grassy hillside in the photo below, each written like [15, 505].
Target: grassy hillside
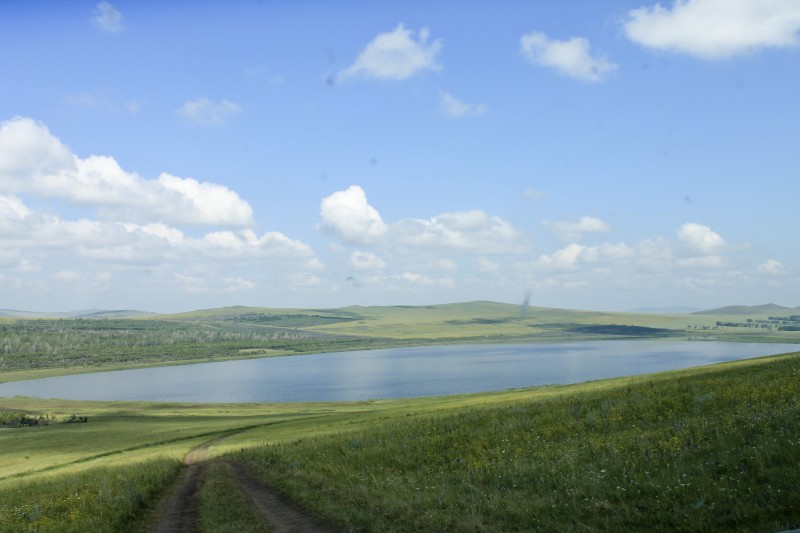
[713, 448]
[708, 450]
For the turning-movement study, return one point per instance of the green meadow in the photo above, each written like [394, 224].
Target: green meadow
[706, 449]
[713, 448]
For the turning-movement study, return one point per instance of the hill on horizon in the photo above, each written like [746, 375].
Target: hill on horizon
[85, 313]
[749, 310]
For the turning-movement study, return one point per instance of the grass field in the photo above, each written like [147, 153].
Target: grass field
[714, 448]
[703, 449]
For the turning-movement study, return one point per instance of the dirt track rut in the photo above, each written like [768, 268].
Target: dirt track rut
[180, 507]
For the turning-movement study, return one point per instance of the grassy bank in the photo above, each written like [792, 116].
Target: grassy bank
[706, 449]
[711, 448]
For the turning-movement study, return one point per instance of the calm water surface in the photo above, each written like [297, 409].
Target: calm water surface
[391, 373]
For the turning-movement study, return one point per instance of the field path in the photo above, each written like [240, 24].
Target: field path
[179, 510]
[280, 514]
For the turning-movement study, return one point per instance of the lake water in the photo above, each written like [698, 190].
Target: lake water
[392, 373]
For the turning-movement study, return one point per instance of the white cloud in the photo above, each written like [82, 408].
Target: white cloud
[12, 209]
[446, 265]
[454, 108]
[304, 279]
[707, 261]
[574, 256]
[206, 112]
[246, 245]
[107, 18]
[571, 57]
[422, 280]
[700, 239]
[716, 29]
[66, 275]
[487, 265]
[572, 230]
[366, 261]
[772, 267]
[237, 284]
[348, 215]
[461, 231]
[32, 160]
[563, 259]
[396, 55]
[149, 244]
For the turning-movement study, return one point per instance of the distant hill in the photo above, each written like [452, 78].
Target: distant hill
[120, 313]
[667, 310]
[86, 313]
[749, 310]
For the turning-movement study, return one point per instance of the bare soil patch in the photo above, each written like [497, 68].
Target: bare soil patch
[179, 511]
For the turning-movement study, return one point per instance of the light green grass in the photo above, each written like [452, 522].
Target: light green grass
[707, 449]
[447, 462]
[105, 498]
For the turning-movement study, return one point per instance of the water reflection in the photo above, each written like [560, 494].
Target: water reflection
[391, 373]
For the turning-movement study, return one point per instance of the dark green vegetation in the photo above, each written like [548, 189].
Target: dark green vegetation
[779, 323]
[627, 331]
[710, 450]
[15, 419]
[65, 343]
[39, 347]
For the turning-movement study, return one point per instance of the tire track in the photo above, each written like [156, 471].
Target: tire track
[180, 508]
[283, 516]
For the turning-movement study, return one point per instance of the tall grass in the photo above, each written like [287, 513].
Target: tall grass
[100, 499]
[709, 449]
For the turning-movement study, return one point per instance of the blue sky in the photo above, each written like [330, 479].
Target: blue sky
[596, 155]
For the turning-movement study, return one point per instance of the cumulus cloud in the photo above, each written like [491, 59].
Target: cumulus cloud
[487, 265]
[348, 215]
[772, 267]
[715, 29]
[700, 239]
[12, 209]
[461, 231]
[366, 261]
[396, 55]
[149, 244]
[571, 57]
[421, 280]
[445, 265]
[206, 112]
[452, 107]
[572, 230]
[32, 160]
[107, 18]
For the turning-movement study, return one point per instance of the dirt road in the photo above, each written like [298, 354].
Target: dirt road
[180, 507]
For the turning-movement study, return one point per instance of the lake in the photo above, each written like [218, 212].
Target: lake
[392, 373]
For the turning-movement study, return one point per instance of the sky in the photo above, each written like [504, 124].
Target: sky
[169, 156]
